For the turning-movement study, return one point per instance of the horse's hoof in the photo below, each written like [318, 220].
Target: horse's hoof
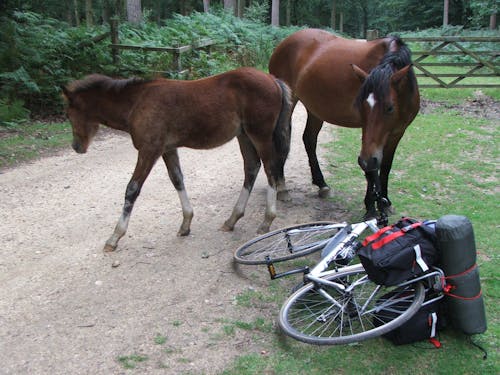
[284, 196]
[324, 192]
[108, 248]
[183, 232]
[263, 229]
[227, 227]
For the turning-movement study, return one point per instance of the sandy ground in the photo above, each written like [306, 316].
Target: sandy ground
[64, 308]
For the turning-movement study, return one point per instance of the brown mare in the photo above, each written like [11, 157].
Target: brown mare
[162, 115]
[356, 84]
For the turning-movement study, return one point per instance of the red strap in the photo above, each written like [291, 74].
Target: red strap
[462, 273]
[447, 288]
[393, 236]
[434, 341]
[376, 235]
[464, 298]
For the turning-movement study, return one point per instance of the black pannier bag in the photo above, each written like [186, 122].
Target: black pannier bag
[399, 252]
[424, 325]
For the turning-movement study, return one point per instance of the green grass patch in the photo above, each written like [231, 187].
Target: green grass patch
[32, 140]
[457, 95]
[131, 361]
[160, 339]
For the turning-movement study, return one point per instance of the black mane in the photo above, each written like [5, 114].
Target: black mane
[103, 83]
[378, 80]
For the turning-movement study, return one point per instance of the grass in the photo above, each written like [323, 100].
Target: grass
[130, 361]
[32, 140]
[446, 163]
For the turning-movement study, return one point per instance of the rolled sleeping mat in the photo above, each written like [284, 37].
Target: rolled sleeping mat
[456, 242]
[455, 237]
[465, 302]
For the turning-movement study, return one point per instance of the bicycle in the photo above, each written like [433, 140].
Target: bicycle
[337, 304]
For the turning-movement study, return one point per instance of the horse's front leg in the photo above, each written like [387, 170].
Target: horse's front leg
[171, 159]
[251, 166]
[310, 139]
[145, 162]
[385, 169]
[376, 204]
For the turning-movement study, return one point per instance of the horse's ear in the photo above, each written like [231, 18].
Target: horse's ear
[400, 74]
[360, 73]
[66, 94]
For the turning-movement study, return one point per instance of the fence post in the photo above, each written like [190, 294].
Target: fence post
[115, 39]
[371, 34]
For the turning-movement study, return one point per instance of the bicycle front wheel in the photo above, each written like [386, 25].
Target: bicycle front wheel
[350, 308]
[287, 243]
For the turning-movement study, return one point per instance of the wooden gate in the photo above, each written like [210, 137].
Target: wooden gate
[456, 62]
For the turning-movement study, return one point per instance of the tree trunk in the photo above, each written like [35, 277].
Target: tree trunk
[493, 21]
[229, 4]
[88, 13]
[77, 14]
[134, 11]
[241, 8]
[364, 7]
[275, 13]
[288, 13]
[206, 6]
[333, 18]
[446, 8]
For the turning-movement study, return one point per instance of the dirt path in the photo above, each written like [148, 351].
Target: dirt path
[65, 310]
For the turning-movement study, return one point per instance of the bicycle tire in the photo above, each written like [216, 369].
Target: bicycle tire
[303, 239]
[310, 317]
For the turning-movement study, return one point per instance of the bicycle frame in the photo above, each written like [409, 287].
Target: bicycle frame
[335, 248]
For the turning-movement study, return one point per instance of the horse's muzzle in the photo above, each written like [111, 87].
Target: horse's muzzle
[370, 165]
[77, 146]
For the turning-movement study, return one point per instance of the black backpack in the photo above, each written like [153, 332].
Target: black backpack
[399, 252]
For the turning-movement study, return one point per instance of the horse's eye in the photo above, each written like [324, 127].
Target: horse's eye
[389, 109]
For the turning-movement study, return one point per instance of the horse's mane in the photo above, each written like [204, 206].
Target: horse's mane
[378, 80]
[103, 83]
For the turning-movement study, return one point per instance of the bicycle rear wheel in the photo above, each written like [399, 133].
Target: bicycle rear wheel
[287, 243]
[324, 315]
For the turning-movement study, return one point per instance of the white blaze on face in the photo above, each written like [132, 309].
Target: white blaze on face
[371, 100]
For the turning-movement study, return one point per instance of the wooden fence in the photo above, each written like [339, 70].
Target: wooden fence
[456, 62]
[176, 52]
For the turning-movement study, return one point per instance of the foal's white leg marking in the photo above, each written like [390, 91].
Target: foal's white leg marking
[120, 230]
[187, 213]
[371, 100]
[238, 210]
[270, 214]
[283, 194]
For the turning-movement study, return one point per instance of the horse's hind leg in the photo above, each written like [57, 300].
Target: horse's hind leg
[143, 167]
[310, 139]
[251, 162]
[171, 159]
[282, 148]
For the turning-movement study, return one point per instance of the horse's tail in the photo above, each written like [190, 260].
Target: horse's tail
[282, 131]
